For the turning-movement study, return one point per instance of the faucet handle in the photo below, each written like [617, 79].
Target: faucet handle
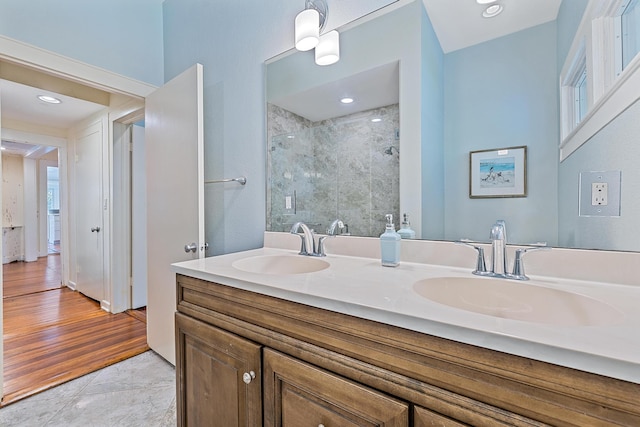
[518, 263]
[481, 267]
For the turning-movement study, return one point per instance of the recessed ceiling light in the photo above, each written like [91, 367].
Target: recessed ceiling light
[485, 1]
[493, 10]
[49, 99]
[376, 120]
[346, 100]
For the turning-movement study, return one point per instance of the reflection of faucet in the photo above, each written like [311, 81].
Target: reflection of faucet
[331, 231]
[308, 246]
[498, 238]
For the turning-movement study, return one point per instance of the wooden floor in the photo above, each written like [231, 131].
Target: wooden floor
[53, 335]
[21, 278]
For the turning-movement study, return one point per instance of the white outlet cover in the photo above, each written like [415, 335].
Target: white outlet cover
[588, 181]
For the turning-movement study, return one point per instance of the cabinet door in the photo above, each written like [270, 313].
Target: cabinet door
[218, 375]
[297, 394]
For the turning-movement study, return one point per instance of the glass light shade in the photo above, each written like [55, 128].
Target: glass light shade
[307, 29]
[328, 50]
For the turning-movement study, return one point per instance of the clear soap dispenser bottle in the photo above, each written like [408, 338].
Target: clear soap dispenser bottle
[406, 232]
[390, 244]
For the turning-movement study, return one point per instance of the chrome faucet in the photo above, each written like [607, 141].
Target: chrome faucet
[331, 232]
[498, 236]
[308, 245]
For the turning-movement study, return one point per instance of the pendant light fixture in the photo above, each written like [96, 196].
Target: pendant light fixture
[307, 29]
[308, 25]
[328, 50]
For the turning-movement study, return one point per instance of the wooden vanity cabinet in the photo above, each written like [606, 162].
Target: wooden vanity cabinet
[317, 367]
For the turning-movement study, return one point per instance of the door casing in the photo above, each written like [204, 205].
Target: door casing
[15, 52]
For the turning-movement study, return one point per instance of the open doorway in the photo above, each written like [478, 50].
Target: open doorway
[75, 333]
[53, 209]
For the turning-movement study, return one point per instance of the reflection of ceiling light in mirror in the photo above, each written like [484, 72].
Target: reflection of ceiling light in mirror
[328, 50]
[485, 1]
[307, 29]
[493, 10]
[346, 100]
[376, 120]
[49, 99]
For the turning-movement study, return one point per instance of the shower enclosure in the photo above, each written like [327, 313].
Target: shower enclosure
[345, 167]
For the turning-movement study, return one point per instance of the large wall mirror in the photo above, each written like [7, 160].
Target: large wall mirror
[419, 112]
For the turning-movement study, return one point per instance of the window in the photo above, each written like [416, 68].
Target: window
[580, 95]
[630, 36]
[601, 74]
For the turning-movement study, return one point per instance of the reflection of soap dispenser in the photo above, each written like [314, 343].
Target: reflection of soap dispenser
[405, 230]
[390, 244]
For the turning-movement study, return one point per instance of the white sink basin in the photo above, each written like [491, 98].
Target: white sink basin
[517, 301]
[280, 264]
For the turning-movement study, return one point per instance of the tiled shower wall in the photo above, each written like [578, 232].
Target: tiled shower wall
[346, 168]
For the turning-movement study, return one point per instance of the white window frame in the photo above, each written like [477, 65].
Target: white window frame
[609, 91]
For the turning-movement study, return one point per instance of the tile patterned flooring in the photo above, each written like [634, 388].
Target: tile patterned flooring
[139, 391]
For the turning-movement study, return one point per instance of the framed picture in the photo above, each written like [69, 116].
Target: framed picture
[498, 173]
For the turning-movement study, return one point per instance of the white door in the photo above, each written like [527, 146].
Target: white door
[138, 219]
[1, 285]
[89, 210]
[174, 142]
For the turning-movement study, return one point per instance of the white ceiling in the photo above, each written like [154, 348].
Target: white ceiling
[370, 89]
[459, 23]
[21, 103]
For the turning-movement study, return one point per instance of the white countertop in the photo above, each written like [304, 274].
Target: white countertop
[362, 287]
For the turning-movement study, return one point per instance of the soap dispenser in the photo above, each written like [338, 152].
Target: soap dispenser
[405, 230]
[390, 244]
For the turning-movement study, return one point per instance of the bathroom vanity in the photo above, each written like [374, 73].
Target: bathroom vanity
[353, 343]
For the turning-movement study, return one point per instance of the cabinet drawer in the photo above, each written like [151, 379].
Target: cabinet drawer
[297, 394]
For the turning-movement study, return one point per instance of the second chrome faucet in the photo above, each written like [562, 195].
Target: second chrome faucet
[498, 236]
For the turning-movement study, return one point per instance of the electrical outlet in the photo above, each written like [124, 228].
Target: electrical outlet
[287, 202]
[599, 194]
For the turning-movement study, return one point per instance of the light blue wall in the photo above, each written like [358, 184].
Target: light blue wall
[432, 135]
[122, 36]
[503, 93]
[613, 148]
[232, 39]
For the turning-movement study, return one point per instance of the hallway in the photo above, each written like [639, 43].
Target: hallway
[53, 335]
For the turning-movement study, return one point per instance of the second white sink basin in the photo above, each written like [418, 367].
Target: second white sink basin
[280, 264]
[517, 301]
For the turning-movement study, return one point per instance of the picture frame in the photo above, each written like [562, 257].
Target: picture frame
[498, 173]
